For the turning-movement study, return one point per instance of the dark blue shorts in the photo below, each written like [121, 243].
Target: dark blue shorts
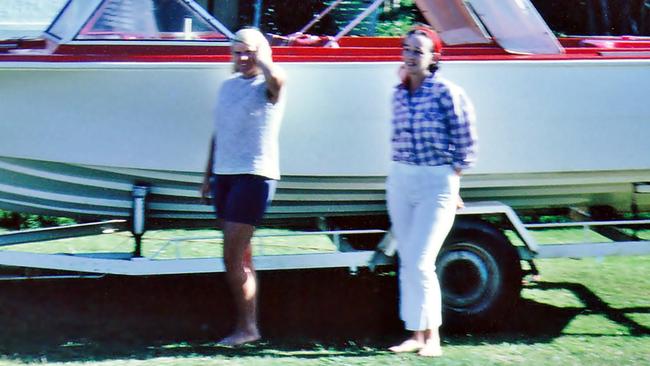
[242, 198]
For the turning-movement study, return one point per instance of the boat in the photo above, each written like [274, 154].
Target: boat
[113, 97]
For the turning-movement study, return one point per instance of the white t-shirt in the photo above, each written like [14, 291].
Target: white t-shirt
[247, 128]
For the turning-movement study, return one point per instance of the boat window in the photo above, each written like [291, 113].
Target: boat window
[149, 20]
[66, 21]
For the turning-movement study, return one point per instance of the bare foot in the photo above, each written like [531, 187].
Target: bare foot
[239, 338]
[431, 349]
[409, 345]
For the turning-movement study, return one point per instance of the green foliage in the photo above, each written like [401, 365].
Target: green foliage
[17, 221]
[288, 16]
[398, 20]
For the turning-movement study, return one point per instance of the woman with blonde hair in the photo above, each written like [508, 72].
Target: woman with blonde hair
[243, 167]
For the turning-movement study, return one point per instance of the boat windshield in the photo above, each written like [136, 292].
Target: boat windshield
[513, 24]
[126, 20]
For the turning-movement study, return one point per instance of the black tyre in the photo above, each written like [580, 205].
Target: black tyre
[480, 276]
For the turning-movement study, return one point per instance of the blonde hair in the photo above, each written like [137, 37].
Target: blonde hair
[254, 38]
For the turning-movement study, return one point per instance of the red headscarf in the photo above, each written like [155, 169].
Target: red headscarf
[429, 33]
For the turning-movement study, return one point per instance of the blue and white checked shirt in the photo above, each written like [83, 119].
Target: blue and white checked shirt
[433, 126]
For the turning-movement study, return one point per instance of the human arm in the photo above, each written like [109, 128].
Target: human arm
[273, 74]
[462, 130]
[205, 186]
[462, 134]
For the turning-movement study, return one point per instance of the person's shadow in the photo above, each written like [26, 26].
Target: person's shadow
[157, 316]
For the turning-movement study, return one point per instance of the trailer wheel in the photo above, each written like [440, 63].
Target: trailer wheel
[480, 275]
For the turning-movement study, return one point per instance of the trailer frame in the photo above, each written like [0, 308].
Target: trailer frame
[476, 248]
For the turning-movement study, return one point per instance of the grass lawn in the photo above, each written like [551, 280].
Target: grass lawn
[583, 312]
[168, 244]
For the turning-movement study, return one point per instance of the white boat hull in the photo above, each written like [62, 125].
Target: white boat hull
[77, 136]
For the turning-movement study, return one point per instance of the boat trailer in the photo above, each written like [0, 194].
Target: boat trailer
[479, 266]
[345, 256]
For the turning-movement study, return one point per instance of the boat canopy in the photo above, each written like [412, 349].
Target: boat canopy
[85, 21]
[513, 24]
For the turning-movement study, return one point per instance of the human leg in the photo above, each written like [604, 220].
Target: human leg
[420, 295]
[434, 218]
[431, 217]
[241, 204]
[242, 282]
[431, 346]
[432, 222]
[400, 210]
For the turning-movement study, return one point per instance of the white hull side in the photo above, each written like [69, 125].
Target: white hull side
[552, 133]
[97, 192]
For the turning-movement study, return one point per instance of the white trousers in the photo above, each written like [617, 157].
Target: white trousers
[422, 206]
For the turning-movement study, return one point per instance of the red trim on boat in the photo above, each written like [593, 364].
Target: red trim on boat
[351, 49]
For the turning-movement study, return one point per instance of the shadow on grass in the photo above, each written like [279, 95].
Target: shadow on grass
[303, 314]
[596, 305]
[535, 322]
[142, 317]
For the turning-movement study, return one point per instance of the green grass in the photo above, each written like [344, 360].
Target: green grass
[592, 311]
[168, 244]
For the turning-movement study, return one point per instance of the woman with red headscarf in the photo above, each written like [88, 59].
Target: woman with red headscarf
[433, 141]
